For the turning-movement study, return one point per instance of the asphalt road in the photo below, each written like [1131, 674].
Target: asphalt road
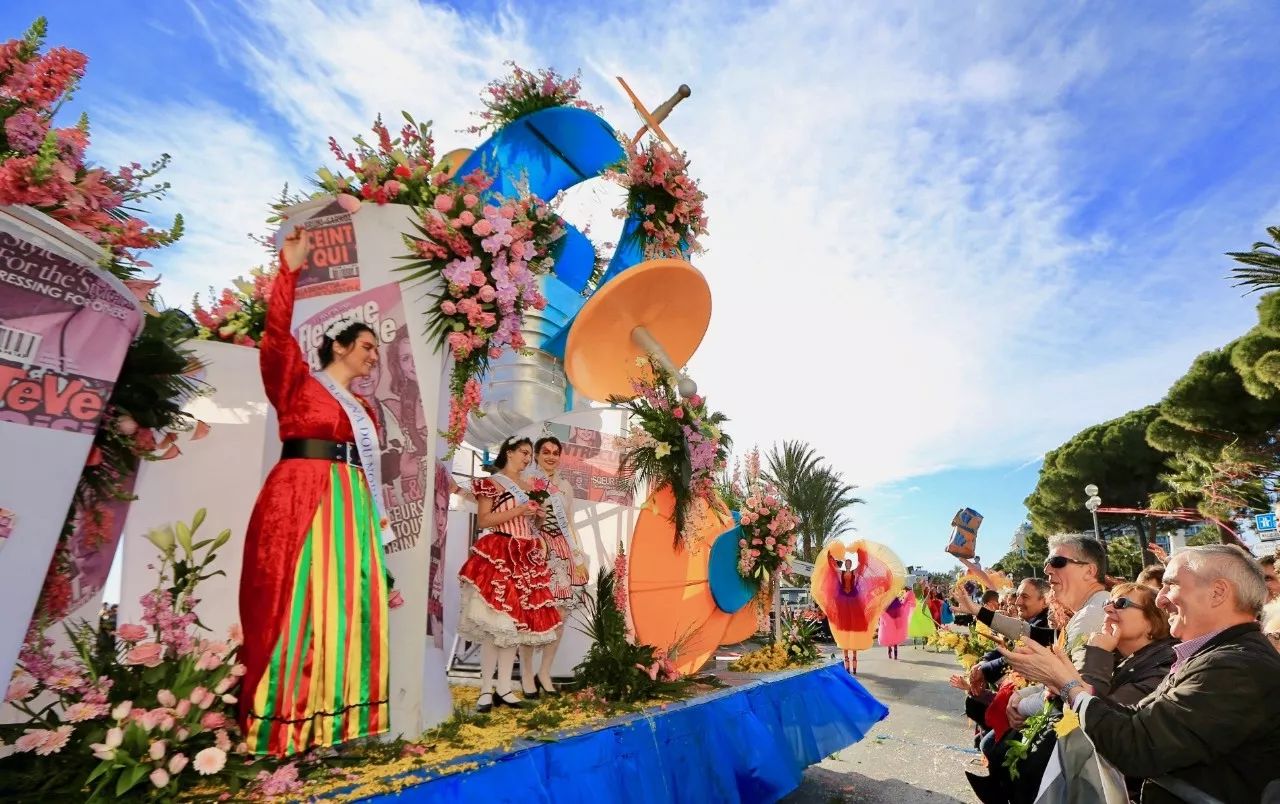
[917, 755]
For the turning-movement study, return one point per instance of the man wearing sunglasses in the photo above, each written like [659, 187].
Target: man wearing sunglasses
[1211, 731]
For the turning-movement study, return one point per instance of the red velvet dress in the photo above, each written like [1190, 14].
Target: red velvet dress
[506, 586]
[310, 517]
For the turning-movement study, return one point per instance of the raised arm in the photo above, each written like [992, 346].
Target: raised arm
[279, 356]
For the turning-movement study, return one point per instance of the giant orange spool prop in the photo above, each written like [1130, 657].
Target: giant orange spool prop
[670, 593]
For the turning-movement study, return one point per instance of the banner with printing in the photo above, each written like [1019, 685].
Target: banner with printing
[65, 326]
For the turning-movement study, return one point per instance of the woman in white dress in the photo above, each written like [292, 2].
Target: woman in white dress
[565, 561]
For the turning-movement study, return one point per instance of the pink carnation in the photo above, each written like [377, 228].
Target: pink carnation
[443, 203]
[483, 228]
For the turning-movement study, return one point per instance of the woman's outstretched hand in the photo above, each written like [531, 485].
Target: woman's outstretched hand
[297, 244]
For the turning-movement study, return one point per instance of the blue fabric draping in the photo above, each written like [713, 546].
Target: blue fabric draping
[745, 745]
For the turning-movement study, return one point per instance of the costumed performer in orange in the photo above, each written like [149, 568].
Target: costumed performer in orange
[506, 585]
[313, 595]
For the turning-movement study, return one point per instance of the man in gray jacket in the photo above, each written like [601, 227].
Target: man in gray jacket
[1211, 730]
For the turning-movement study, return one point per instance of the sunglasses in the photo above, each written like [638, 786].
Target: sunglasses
[1058, 562]
[1123, 603]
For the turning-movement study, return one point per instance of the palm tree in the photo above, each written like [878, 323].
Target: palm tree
[815, 492]
[1259, 268]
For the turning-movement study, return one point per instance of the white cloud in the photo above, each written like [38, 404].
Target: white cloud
[896, 274]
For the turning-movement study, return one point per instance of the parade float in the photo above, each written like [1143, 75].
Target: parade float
[494, 316]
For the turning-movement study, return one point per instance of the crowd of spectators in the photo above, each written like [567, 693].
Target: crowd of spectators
[1173, 676]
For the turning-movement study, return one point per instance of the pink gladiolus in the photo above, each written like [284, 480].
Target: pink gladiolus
[148, 654]
[177, 762]
[159, 777]
[210, 761]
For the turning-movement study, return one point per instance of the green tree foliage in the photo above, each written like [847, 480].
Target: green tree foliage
[816, 492]
[1259, 269]
[1124, 558]
[1113, 455]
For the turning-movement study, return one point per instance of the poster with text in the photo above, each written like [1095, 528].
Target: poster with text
[391, 390]
[590, 461]
[64, 330]
[333, 266]
[65, 326]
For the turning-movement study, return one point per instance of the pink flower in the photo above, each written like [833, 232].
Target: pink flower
[30, 740]
[448, 308]
[196, 695]
[209, 661]
[392, 188]
[157, 749]
[486, 293]
[167, 723]
[742, 542]
[177, 762]
[235, 633]
[229, 699]
[470, 200]
[20, 688]
[483, 228]
[677, 412]
[130, 632]
[210, 761]
[221, 740]
[443, 203]
[167, 698]
[213, 720]
[695, 400]
[183, 707]
[224, 685]
[349, 203]
[159, 777]
[237, 670]
[148, 654]
[81, 711]
[466, 217]
[495, 352]
[478, 278]
[54, 741]
[122, 710]
[395, 600]
[207, 700]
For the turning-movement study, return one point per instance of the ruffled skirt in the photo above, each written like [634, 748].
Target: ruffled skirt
[506, 593]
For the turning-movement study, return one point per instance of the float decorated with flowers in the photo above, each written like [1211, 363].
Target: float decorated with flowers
[484, 316]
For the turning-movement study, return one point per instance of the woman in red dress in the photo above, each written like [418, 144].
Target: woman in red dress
[313, 593]
[506, 586]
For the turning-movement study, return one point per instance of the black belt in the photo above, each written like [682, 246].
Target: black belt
[320, 450]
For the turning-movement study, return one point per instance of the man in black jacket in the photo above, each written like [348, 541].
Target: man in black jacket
[1211, 730]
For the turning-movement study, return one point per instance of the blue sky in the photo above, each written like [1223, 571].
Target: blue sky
[944, 236]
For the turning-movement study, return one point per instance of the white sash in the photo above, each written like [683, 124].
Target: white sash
[512, 487]
[366, 434]
[555, 499]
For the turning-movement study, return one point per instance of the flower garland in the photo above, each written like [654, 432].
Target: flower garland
[153, 710]
[399, 170]
[44, 167]
[667, 202]
[677, 443]
[488, 255]
[769, 536]
[522, 92]
[239, 314]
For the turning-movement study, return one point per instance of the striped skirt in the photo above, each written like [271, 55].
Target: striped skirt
[327, 678]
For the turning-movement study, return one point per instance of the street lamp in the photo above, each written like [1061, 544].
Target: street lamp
[1093, 504]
